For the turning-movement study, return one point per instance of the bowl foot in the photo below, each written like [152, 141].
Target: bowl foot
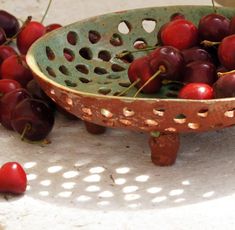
[164, 148]
[94, 128]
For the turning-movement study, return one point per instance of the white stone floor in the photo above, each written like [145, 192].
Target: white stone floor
[81, 181]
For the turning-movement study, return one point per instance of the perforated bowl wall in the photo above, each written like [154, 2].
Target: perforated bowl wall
[77, 67]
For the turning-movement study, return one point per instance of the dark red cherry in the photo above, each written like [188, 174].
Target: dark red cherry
[195, 54]
[213, 27]
[196, 91]
[2, 36]
[33, 119]
[8, 85]
[52, 27]
[168, 57]
[5, 52]
[226, 52]
[232, 26]
[225, 86]
[16, 68]
[9, 23]
[200, 71]
[29, 34]
[8, 103]
[180, 33]
[140, 70]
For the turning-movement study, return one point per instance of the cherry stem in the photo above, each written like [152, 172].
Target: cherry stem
[220, 74]
[213, 3]
[47, 9]
[124, 53]
[161, 69]
[131, 86]
[209, 43]
[26, 129]
[25, 23]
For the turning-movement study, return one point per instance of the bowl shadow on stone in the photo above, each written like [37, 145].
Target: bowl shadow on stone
[113, 171]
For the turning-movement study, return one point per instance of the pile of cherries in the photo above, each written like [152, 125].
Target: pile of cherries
[200, 58]
[24, 107]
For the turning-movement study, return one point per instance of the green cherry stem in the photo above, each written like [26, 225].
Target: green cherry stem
[47, 9]
[131, 86]
[26, 129]
[220, 74]
[214, 7]
[161, 69]
[209, 43]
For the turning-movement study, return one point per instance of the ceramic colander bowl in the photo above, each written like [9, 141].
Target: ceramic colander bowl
[78, 68]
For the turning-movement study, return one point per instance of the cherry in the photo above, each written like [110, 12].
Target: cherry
[197, 91]
[225, 86]
[28, 35]
[3, 38]
[52, 27]
[226, 52]
[213, 27]
[13, 178]
[8, 103]
[33, 119]
[5, 52]
[9, 23]
[169, 57]
[16, 68]
[180, 33]
[200, 71]
[140, 71]
[195, 54]
[176, 16]
[8, 85]
[232, 25]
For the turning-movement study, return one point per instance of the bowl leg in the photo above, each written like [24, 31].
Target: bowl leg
[94, 128]
[164, 148]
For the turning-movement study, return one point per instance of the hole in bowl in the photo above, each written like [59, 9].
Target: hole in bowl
[127, 58]
[140, 43]
[113, 77]
[84, 80]
[104, 90]
[72, 38]
[63, 69]
[106, 113]
[50, 71]
[50, 54]
[203, 113]
[104, 55]
[149, 25]
[116, 40]
[150, 122]
[94, 36]
[124, 27]
[159, 112]
[229, 113]
[128, 112]
[180, 119]
[70, 83]
[100, 71]
[86, 53]
[193, 126]
[82, 68]
[125, 84]
[68, 54]
[117, 68]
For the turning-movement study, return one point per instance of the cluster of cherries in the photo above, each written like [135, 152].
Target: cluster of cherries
[200, 58]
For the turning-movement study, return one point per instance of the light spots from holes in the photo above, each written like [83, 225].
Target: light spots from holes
[70, 174]
[186, 182]
[134, 206]
[154, 190]
[54, 169]
[68, 185]
[142, 178]
[130, 189]
[44, 193]
[131, 197]
[92, 178]
[176, 192]
[31, 176]
[97, 169]
[65, 194]
[120, 181]
[208, 194]
[45, 183]
[30, 165]
[28, 188]
[124, 27]
[83, 198]
[93, 188]
[103, 203]
[159, 199]
[106, 194]
[123, 170]
[180, 200]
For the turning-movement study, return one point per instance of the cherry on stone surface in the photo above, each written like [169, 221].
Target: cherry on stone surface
[226, 52]
[28, 35]
[9, 23]
[13, 178]
[196, 91]
[16, 68]
[33, 119]
[225, 86]
[232, 25]
[8, 103]
[8, 85]
[179, 33]
[5, 52]
[200, 71]
[213, 27]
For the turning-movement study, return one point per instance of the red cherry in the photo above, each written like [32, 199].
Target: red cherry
[2, 36]
[16, 68]
[32, 31]
[5, 52]
[13, 178]
[8, 85]
[52, 27]
[180, 33]
[197, 91]
[232, 26]
[226, 52]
